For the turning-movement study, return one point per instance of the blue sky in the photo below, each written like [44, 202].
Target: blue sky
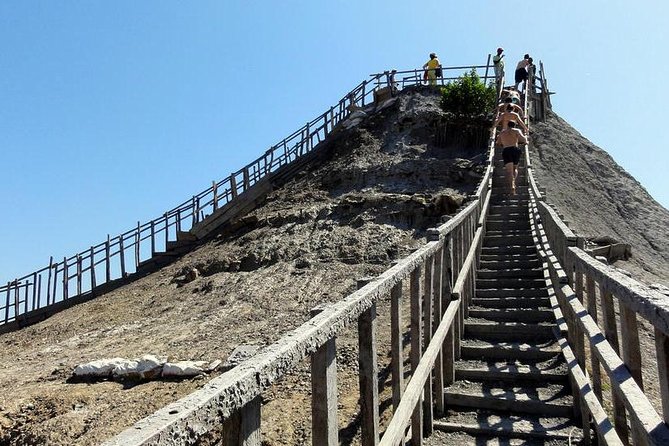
[113, 112]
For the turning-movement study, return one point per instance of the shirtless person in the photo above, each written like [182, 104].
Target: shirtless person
[507, 101]
[509, 139]
[507, 116]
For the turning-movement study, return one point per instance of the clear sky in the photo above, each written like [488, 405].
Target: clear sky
[115, 111]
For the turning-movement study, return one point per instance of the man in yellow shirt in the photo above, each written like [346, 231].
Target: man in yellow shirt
[431, 67]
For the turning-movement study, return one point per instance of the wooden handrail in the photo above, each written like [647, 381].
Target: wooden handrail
[623, 367]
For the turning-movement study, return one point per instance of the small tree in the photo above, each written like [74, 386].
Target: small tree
[468, 95]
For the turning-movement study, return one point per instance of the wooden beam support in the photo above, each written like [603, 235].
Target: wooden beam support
[397, 360]
[368, 374]
[324, 421]
[416, 352]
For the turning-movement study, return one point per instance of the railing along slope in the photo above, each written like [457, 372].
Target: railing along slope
[445, 267]
[91, 272]
[588, 293]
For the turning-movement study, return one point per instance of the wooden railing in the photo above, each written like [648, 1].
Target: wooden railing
[587, 293]
[76, 278]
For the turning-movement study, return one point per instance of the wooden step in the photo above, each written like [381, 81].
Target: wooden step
[506, 257]
[552, 400]
[510, 264]
[510, 282]
[528, 316]
[485, 427]
[487, 330]
[505, 225]
[511, 303]
[508, 250]
[551, 371]
[511, 292]
[528, 273]
[483, 350]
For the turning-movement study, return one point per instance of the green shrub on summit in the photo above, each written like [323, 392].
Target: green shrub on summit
[468, 95]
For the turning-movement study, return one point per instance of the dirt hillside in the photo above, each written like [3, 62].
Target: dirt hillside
[366, 202]
[600, 198]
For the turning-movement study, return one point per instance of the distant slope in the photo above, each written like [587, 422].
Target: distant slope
[600, 198]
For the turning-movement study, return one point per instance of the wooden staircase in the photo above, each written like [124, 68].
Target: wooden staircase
[511, 383]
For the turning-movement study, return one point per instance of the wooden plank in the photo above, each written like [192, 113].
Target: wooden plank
[602, 424]
[121, 251]
[394, 434]
[233, 186]
[416, 340]
[48, 283]
[249, 432]
[36, 290]
[324, 423]
[591, 293]
[214, 191]
[438, 313]
[79, 274]
[368, 374]
[66, 279]
[662, 350]
[137, 244]
[650, 304]
[611, 333]
[107, 260]
[91, 255]
[397, 360]
[428, 296]
[631, 350]
[642, 412]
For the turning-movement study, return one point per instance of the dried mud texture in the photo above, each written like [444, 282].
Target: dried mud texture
[600, 199]
[366, 202]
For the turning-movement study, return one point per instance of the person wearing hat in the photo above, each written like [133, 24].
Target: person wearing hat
[431, 67]
[498, 63]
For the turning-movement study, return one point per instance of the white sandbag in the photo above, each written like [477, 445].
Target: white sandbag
[102, 368]
[184, 368]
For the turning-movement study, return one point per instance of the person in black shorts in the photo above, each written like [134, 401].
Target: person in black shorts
[509, 139]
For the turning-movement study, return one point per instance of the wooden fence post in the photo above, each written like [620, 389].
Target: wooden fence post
[631, 351]
[137, 242]
[662, 350]
[79, 274]
[243, 427]
[107, 260]
[592, 310]
[324, 424]
[611, 333]
[416, 352]
[369, 374]
[438, 313]
[428, 294]
[214, 189]
[93, 280]
[66, 278]
[397, 361]
[48, 283]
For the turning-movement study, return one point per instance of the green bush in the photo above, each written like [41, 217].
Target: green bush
[468, 95]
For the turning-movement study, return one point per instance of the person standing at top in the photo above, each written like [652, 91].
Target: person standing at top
[498, 63]
[431, 67]
[521, 70]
